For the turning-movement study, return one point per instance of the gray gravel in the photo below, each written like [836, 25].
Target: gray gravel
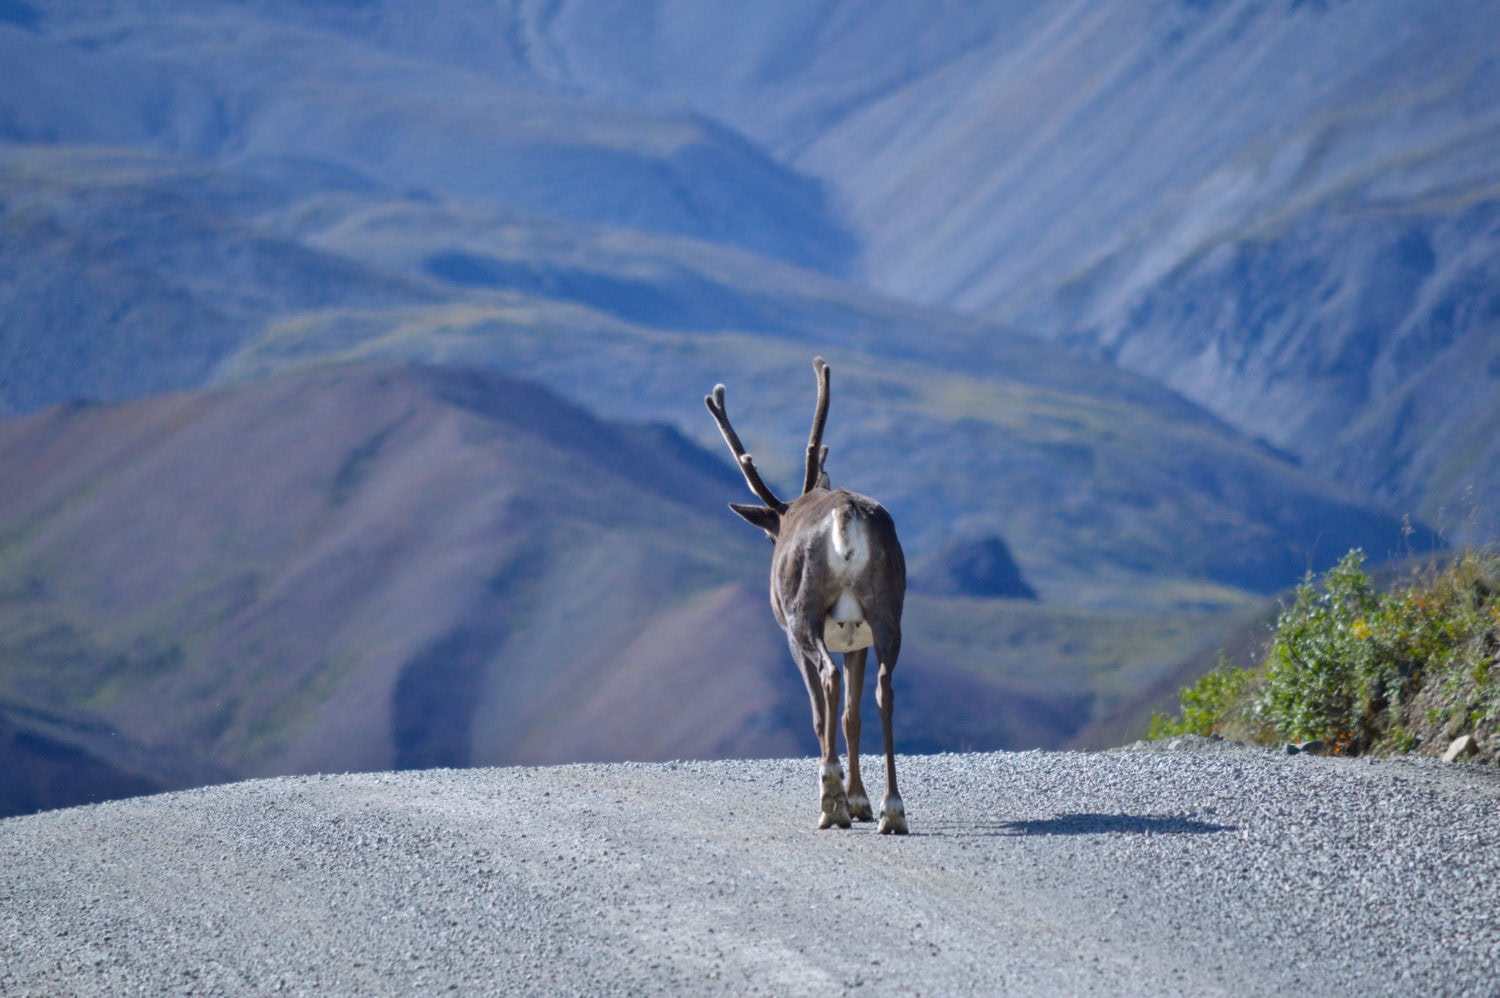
[1208, 869]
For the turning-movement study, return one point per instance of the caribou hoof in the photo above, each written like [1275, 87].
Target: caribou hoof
[839, 817]
[835, 804]
[893, 818]
[859, 808]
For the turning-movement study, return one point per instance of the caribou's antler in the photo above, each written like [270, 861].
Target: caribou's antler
[715, 403]
[816, 452]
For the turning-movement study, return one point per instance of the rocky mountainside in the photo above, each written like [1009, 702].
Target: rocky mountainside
[292, 89]
[275, 291]
[1362, 334]
[375, 567]
[1142, 309]
[1285, 211]
[1282, 211]
[183, 274]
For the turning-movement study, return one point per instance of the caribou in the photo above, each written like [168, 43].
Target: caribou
[838, 580]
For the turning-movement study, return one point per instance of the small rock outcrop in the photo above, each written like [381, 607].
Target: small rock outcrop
[1461, 747]
[975, 567]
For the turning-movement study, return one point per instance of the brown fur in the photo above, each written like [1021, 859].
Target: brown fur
[807, 580]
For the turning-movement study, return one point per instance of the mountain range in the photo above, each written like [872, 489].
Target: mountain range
[351, 356]
[374, 566]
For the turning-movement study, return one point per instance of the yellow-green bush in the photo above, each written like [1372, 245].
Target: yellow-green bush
[1362, 670]
[1205, 704]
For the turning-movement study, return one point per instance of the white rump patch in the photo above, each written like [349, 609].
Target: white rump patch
[845, 628]
[850, 550]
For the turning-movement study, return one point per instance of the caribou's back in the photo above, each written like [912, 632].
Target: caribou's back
[840, 549]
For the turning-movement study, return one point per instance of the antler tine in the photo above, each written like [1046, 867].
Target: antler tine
[816, 452]
[715, 403]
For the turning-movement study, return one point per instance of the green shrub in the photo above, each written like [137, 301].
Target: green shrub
[1206, 704]
[1362, 670]
[1320, 671]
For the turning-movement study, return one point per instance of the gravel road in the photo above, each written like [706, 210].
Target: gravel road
[1205, 869]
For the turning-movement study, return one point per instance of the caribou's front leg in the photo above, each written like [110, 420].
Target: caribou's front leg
[823, 687]
[854, 686]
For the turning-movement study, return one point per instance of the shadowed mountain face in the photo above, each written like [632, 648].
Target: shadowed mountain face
[976, 568]
[52, 763]
[1285, 211]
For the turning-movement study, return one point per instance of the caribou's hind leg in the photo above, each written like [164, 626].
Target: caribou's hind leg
[823, 688]
[887, 648]
[833, 799]
[854, 686]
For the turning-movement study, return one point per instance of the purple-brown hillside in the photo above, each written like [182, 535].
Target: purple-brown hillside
[381, 567]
